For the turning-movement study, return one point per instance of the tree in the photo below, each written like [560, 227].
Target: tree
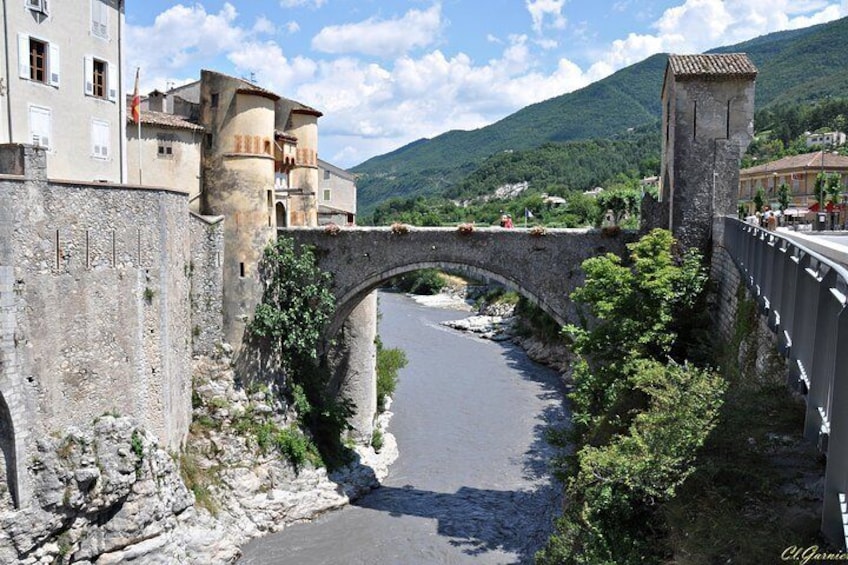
[296, 302]
[759, 199]
[639, 415]
[784, 196]
[621, 200]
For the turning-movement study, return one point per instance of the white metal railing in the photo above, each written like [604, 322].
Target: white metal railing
[804, 295]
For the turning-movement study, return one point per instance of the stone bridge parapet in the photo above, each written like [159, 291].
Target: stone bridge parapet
[544, 268]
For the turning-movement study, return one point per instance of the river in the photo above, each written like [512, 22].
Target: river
[471, 484]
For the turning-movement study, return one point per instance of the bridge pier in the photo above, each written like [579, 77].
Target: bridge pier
[353, 362]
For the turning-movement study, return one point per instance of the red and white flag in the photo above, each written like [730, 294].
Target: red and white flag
[136, 102]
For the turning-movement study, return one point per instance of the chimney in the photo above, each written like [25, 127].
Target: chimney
[156, 101]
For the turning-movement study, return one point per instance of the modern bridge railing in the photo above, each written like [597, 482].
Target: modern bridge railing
[804, 295]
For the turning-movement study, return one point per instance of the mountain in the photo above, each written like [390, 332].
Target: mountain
[797, 65]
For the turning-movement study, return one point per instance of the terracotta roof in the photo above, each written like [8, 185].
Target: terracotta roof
[304, 109]
[796, 162]
[166, 120]
[250, 88]
[279, 134]
[716, 65]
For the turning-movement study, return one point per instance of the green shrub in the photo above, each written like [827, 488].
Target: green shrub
[389, 363]
[423, 281]
[377, 440]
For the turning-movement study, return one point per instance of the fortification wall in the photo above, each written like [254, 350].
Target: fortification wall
[99, 314]
[207, 282]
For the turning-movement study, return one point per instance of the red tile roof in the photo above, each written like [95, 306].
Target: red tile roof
[736, 65]
[166, 120]
[800, 162]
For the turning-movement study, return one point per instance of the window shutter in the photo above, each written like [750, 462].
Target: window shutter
[100, 139]
[112, 79]
[40, 125]
[89, 76]
[53, 64]
[23, 55]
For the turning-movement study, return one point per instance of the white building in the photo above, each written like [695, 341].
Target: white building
[829, 139]
[62, 86]
[337, 195]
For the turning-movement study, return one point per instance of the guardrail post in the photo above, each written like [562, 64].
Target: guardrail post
[836, 473]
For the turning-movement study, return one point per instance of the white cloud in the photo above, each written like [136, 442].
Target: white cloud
[383, 38]
[298, 3]
[698, 25]
[264, 25]
[184, 37]
[410, 89]
[541, 10]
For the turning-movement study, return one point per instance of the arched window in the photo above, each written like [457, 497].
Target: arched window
[281, 215]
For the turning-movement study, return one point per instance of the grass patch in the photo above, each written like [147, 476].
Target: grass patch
[747, 500]
[199, 481]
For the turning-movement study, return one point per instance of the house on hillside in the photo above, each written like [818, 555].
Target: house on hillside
[829, 139]
[62, 89]
[798, 172]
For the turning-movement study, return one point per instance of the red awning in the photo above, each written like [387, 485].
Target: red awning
[830, 207]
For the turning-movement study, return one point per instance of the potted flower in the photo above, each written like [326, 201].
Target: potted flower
[399, 228]
[465, 229]
[332, 229]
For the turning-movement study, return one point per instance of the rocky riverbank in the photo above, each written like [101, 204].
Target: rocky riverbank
[498, 322]
[110, 494]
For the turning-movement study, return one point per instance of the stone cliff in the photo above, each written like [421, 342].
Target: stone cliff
[110, 494]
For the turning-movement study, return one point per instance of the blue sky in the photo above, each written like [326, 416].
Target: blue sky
[388, 72]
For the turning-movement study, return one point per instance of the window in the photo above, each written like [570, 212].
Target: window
[101, 79]
[99, 139]
[40, 125]
[165, 148]
[99, 19]
[38, 6]
[38, 60]
[327, 195]
[213, 102]
[326, 175]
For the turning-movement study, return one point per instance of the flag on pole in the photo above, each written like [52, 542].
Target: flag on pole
[527, 213]
[136, 101]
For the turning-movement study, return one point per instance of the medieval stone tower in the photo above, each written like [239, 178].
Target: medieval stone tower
[708, 111]
[238, 183]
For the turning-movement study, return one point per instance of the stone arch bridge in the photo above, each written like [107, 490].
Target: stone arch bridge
[545, 268]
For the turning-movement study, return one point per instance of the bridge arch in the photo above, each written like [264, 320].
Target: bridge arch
[346, 303]
[545, 269]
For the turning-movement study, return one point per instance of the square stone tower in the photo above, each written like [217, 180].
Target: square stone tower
[708, 122]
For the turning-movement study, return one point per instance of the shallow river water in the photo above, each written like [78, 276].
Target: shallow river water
[471, 484]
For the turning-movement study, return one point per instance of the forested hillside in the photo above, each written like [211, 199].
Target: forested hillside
[795, 66]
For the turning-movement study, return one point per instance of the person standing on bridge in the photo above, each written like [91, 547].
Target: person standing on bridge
[508, 224]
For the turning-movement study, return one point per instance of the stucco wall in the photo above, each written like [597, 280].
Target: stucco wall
[101, 303]
[70, 155]
[180, 172]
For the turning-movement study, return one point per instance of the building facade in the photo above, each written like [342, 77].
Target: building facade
[798, 172]
[337, 195]
[828, 139]
[66, 55]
